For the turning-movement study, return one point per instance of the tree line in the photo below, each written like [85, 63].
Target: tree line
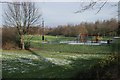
[103, 28]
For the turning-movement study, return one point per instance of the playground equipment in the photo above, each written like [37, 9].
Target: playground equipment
[95, 38]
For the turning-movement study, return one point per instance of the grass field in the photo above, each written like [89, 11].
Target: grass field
[44, 64]
[53, 60]
[37, 38]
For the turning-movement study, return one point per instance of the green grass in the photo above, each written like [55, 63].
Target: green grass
[17, 64]
[74, 48]
[36, 43]
[54, 60]
[36, 38]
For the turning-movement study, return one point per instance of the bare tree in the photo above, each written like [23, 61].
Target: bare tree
[94, 4]
[22, 15]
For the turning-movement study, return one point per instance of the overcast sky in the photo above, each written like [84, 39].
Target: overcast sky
[62, 13]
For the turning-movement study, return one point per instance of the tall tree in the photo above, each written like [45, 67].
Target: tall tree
[22, 15]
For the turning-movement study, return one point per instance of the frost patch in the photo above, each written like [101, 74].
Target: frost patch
[58, 61]
[27, 61]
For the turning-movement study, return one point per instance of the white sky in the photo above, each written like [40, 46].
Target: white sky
[63, 13]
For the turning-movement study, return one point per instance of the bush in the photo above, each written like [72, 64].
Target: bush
[9, 38]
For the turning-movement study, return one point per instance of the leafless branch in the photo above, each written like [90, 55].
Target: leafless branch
[102, 6]
[92, 5]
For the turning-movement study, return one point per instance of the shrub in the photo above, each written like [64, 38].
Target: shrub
[9, 38]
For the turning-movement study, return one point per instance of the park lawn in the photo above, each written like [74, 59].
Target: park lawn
[53, 60]
[102, 49]
[48, 38]
[48, 64]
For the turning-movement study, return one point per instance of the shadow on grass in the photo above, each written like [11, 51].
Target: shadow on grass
[78, 69]
[37, 55]
[92, 70]
[83, 68]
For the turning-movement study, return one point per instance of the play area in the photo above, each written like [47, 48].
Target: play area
[86, 39]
